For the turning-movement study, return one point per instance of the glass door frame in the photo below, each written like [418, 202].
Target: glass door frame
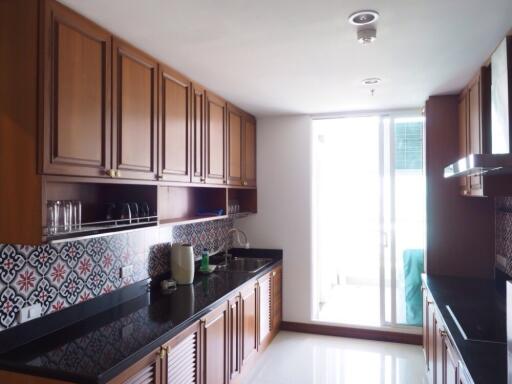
[388, 238]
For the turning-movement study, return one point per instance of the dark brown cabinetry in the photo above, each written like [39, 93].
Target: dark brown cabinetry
[276, 298]
[214, 331]
[174, 126]
[215, 139]
[235, 336]
[146, 370]
[265, 308]
[234, 145]
[198, 145]
[76, 94]
[181, 357]
[474, 120]
[249, 152]
[443, 363]
[249, 323]
[134, 117]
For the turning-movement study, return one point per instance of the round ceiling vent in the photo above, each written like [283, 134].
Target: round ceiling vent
[363, 17]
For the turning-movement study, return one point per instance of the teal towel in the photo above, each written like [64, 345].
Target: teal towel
[413, 268]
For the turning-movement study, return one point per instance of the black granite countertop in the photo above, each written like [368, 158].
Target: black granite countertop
[97, 348]
[485, 361]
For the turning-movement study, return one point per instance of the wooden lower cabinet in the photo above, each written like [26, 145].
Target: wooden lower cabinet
[265, 311]
[443, 363]
[249, 323]
[145, 371]
[214, 331]
[235, 336]
[182, 361]
[276, 298]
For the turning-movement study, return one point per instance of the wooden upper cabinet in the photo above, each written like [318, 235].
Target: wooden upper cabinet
[76, 94]
[198, 147]
[214, 334]
[215, 139]
[134, 112]
[145, 371]
[234, 145]
[174, 126]
[183, 361]
[249, 157]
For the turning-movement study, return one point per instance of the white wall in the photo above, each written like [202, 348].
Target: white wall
[284, 206]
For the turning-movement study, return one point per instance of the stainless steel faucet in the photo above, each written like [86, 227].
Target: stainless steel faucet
[238, 232]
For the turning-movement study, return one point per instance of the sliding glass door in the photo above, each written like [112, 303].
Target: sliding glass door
[368, 220]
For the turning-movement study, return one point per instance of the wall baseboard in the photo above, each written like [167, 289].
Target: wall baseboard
[355, 333]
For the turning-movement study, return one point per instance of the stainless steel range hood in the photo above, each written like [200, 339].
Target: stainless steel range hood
[479, 164]
[499, 161]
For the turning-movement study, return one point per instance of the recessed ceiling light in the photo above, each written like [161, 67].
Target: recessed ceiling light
[363, 17]
[367, 35]
[372, 81]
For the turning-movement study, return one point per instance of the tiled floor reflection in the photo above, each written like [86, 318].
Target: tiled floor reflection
[311, 359]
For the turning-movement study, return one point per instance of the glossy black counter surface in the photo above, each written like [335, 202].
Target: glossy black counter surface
[485, 361]
[97, 349]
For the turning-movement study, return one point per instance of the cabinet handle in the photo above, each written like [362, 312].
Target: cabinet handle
[443, 333]
[118, 173]
[162, 352]
[203, 179]
[159, 177]
[111, 173]
[245, 182]
[273, 273]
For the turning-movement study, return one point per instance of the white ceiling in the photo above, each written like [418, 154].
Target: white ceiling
[301, 56]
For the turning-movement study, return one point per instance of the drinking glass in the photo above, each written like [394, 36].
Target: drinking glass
[51, 222]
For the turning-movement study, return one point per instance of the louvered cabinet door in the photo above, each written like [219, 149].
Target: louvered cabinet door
[183, 358]
[145, 371]
[265, 313]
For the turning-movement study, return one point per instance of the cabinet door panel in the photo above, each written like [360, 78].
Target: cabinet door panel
[76, 95]
[249, 323]
[134, 151]
[451, 366]
[183, 357]
[249, 160]
[215, 338]
[145, 371]
[216, 139]
[234, 146]
[198, 136]
[264, 308]
[175, 96]
[277, 281]
[235, 326]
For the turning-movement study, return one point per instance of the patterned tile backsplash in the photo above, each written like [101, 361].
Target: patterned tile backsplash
[60, 275]
[504, 234]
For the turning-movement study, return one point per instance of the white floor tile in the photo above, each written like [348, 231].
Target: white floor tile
[312, 359]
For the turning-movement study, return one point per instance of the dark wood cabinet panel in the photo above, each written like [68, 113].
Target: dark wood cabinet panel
[174, 126]
[76, 94]
[265, 307]
[183, 361]
[134, 112]
[235, 336]
[215, 139]
[146, 371]
[451, 365]
[277, 302]
[198, 135]
[249, 323]
[215, 346]
[249, 152]
[234, 146]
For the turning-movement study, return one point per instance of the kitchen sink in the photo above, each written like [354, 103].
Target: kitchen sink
[245, 264]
